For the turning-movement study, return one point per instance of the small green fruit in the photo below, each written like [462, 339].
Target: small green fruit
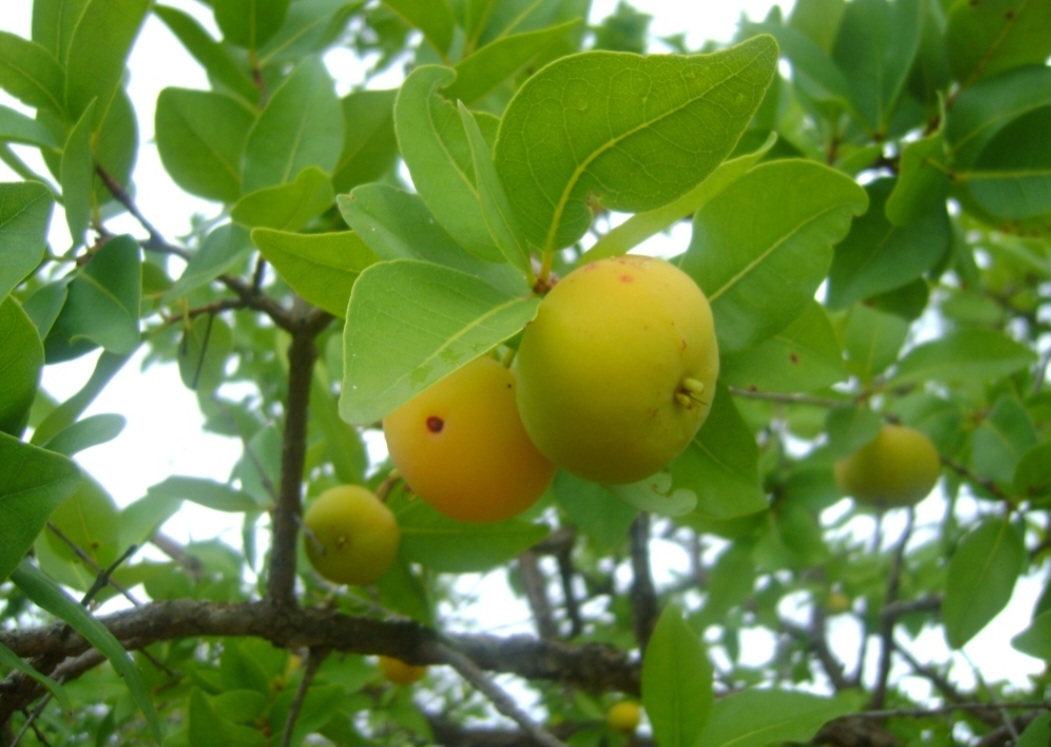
[353, 536]
[899, 467]
[624, 716]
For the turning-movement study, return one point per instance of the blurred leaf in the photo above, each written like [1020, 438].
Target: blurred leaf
[721, 464]
[209, 493]
[249, 23]
[981, 576]
[686, 115]
[98, 51]
[69, 411]
[1001, 439]
[761, 274]
[962, 356]
[432, 17]
[985, 37]
[310, 27]
[754, 718]
[201, 137]
[343, 443]
[12, 661]
[922, 184]
[849, 428]
[21, 363]
[443, 544]
[48, 596]
[730, 582]
[206, 346]
[395, 342]
[872, 340]
[1037, 733]
[207, 728]
[656, 494]
[877, 256]
[676, 682]
[90, 521]
[301, 126]
[322, 268]
[813, 70]
[593, 509]
[77, 176]
[219, 252]
[1032, 477]
[287, 207]
[36, 481]
[804, 356]
[369, 147]
[91, 431]
[31, 74]
[17, 127]
[1036, 639]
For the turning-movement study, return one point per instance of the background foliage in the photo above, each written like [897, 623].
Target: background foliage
[867, 191]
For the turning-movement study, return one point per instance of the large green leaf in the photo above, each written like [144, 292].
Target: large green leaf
[201, 137]
[981, 578]
[985, 37]
[36, 482]
[287, 207]
[17, 127]
[878, 256]
[432, 17]
[754, 718]
[676, 682]
[67, 413]
[443, 544]
[49, 596]
[631, 133]
[322, 268]
[20, 366]
[805, 355]
[963, 356]
[25, 212]
[98, 50]
[593, 509]
[301, 126]
[31, 74]
[370, 147]
[221, 250]
[77, 176]
[410, 323]
[249, 23]
[763, 245]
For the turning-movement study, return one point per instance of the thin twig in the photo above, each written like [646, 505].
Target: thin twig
[886, 624]
[315, 657]
[535, 586]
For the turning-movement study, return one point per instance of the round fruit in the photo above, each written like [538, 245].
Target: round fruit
[353, 536]
[623, 716]
[897, 468]
[461, 447]
[617, 372]
[837, 603]
[400, 672]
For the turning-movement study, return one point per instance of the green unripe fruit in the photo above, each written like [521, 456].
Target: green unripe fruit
[617, 372]
[899, 467]
[352, 535]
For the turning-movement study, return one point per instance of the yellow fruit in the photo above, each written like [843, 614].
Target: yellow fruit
[623, 716]
[899, 467]
[837, 603]
[399, 672]
[353, 537]
[461, 447]
[617, 372]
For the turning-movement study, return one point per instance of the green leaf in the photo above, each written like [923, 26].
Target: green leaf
[206, 728]
[964, 355]
[103, 303]
[213, 56]
[301, 126]
[922, 185]
[370, 147]
[221, 250]
[593, 509]
[98, 52]
[31, 74]
[656, 495]
[203, 354]
[1000, 440]
[11, 660]
[36, 482]
[17, 127]
[721, 465]
[443, 544]
[761, 275]
[804, 356]
[849, 427]
[202, 491]
[1037, 733]
[311, 27]
[67, 413]
[754, 718]
[249, 23]
[48, 596]
[20, 366]
[433, 17]
[985, 37]
[630, 132]
[411, 323]
[1036, 639]
[878, 256]
[676, 682]
[77, 176]
[287, 207]
[872, 340]
[1032, 477]
[438, 154]
[729, 583]
[813, 70]
[322, 268]
[981, 577]
[90, 520]
[91, 431]
[201, 137]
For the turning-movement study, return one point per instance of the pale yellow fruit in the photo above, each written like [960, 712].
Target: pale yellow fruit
[461, 447]
[899, 467]
[400, 672]
[837, 603]
[351, 536]
[617, 372]
[624, 716]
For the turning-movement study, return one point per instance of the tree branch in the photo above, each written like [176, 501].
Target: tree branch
[644, 605]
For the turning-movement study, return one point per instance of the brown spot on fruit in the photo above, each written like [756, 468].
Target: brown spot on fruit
[435, 424]
[625, 278]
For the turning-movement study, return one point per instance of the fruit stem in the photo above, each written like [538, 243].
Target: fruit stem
[508, 358]
[383, 489]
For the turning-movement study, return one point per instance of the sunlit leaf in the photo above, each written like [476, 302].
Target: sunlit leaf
[964, 355]
[20, 366]
[249, 23]
[31, 74]
[985, 37]
[754, 718]
[287, 207]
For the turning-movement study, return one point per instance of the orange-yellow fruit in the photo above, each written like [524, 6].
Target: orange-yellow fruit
[899, 467]
[352, 537]
[624, 716]
[400, 672]
[617, 372]
[461, 447]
